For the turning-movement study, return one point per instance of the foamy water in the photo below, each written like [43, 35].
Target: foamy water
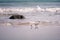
[28, 9]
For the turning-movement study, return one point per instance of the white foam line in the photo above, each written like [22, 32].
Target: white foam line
[24, 10]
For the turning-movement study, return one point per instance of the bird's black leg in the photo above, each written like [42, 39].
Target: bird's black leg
[31, 26]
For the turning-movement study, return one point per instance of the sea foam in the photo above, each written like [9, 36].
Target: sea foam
[29, 9]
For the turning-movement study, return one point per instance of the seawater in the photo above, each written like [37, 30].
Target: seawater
[32, 12]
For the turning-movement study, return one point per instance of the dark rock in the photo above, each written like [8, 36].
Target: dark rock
[17, 17]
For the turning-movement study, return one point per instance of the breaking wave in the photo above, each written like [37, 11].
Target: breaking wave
[28, 9]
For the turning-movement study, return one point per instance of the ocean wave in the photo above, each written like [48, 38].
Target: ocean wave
[28, 9]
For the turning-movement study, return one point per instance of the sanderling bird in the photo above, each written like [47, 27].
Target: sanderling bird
[34, 24]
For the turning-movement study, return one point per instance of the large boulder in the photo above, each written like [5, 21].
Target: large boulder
[17, 17]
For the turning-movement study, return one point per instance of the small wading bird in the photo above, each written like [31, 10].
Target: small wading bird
[34, 24]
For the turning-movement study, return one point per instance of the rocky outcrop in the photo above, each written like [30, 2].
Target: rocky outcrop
[17, 17]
